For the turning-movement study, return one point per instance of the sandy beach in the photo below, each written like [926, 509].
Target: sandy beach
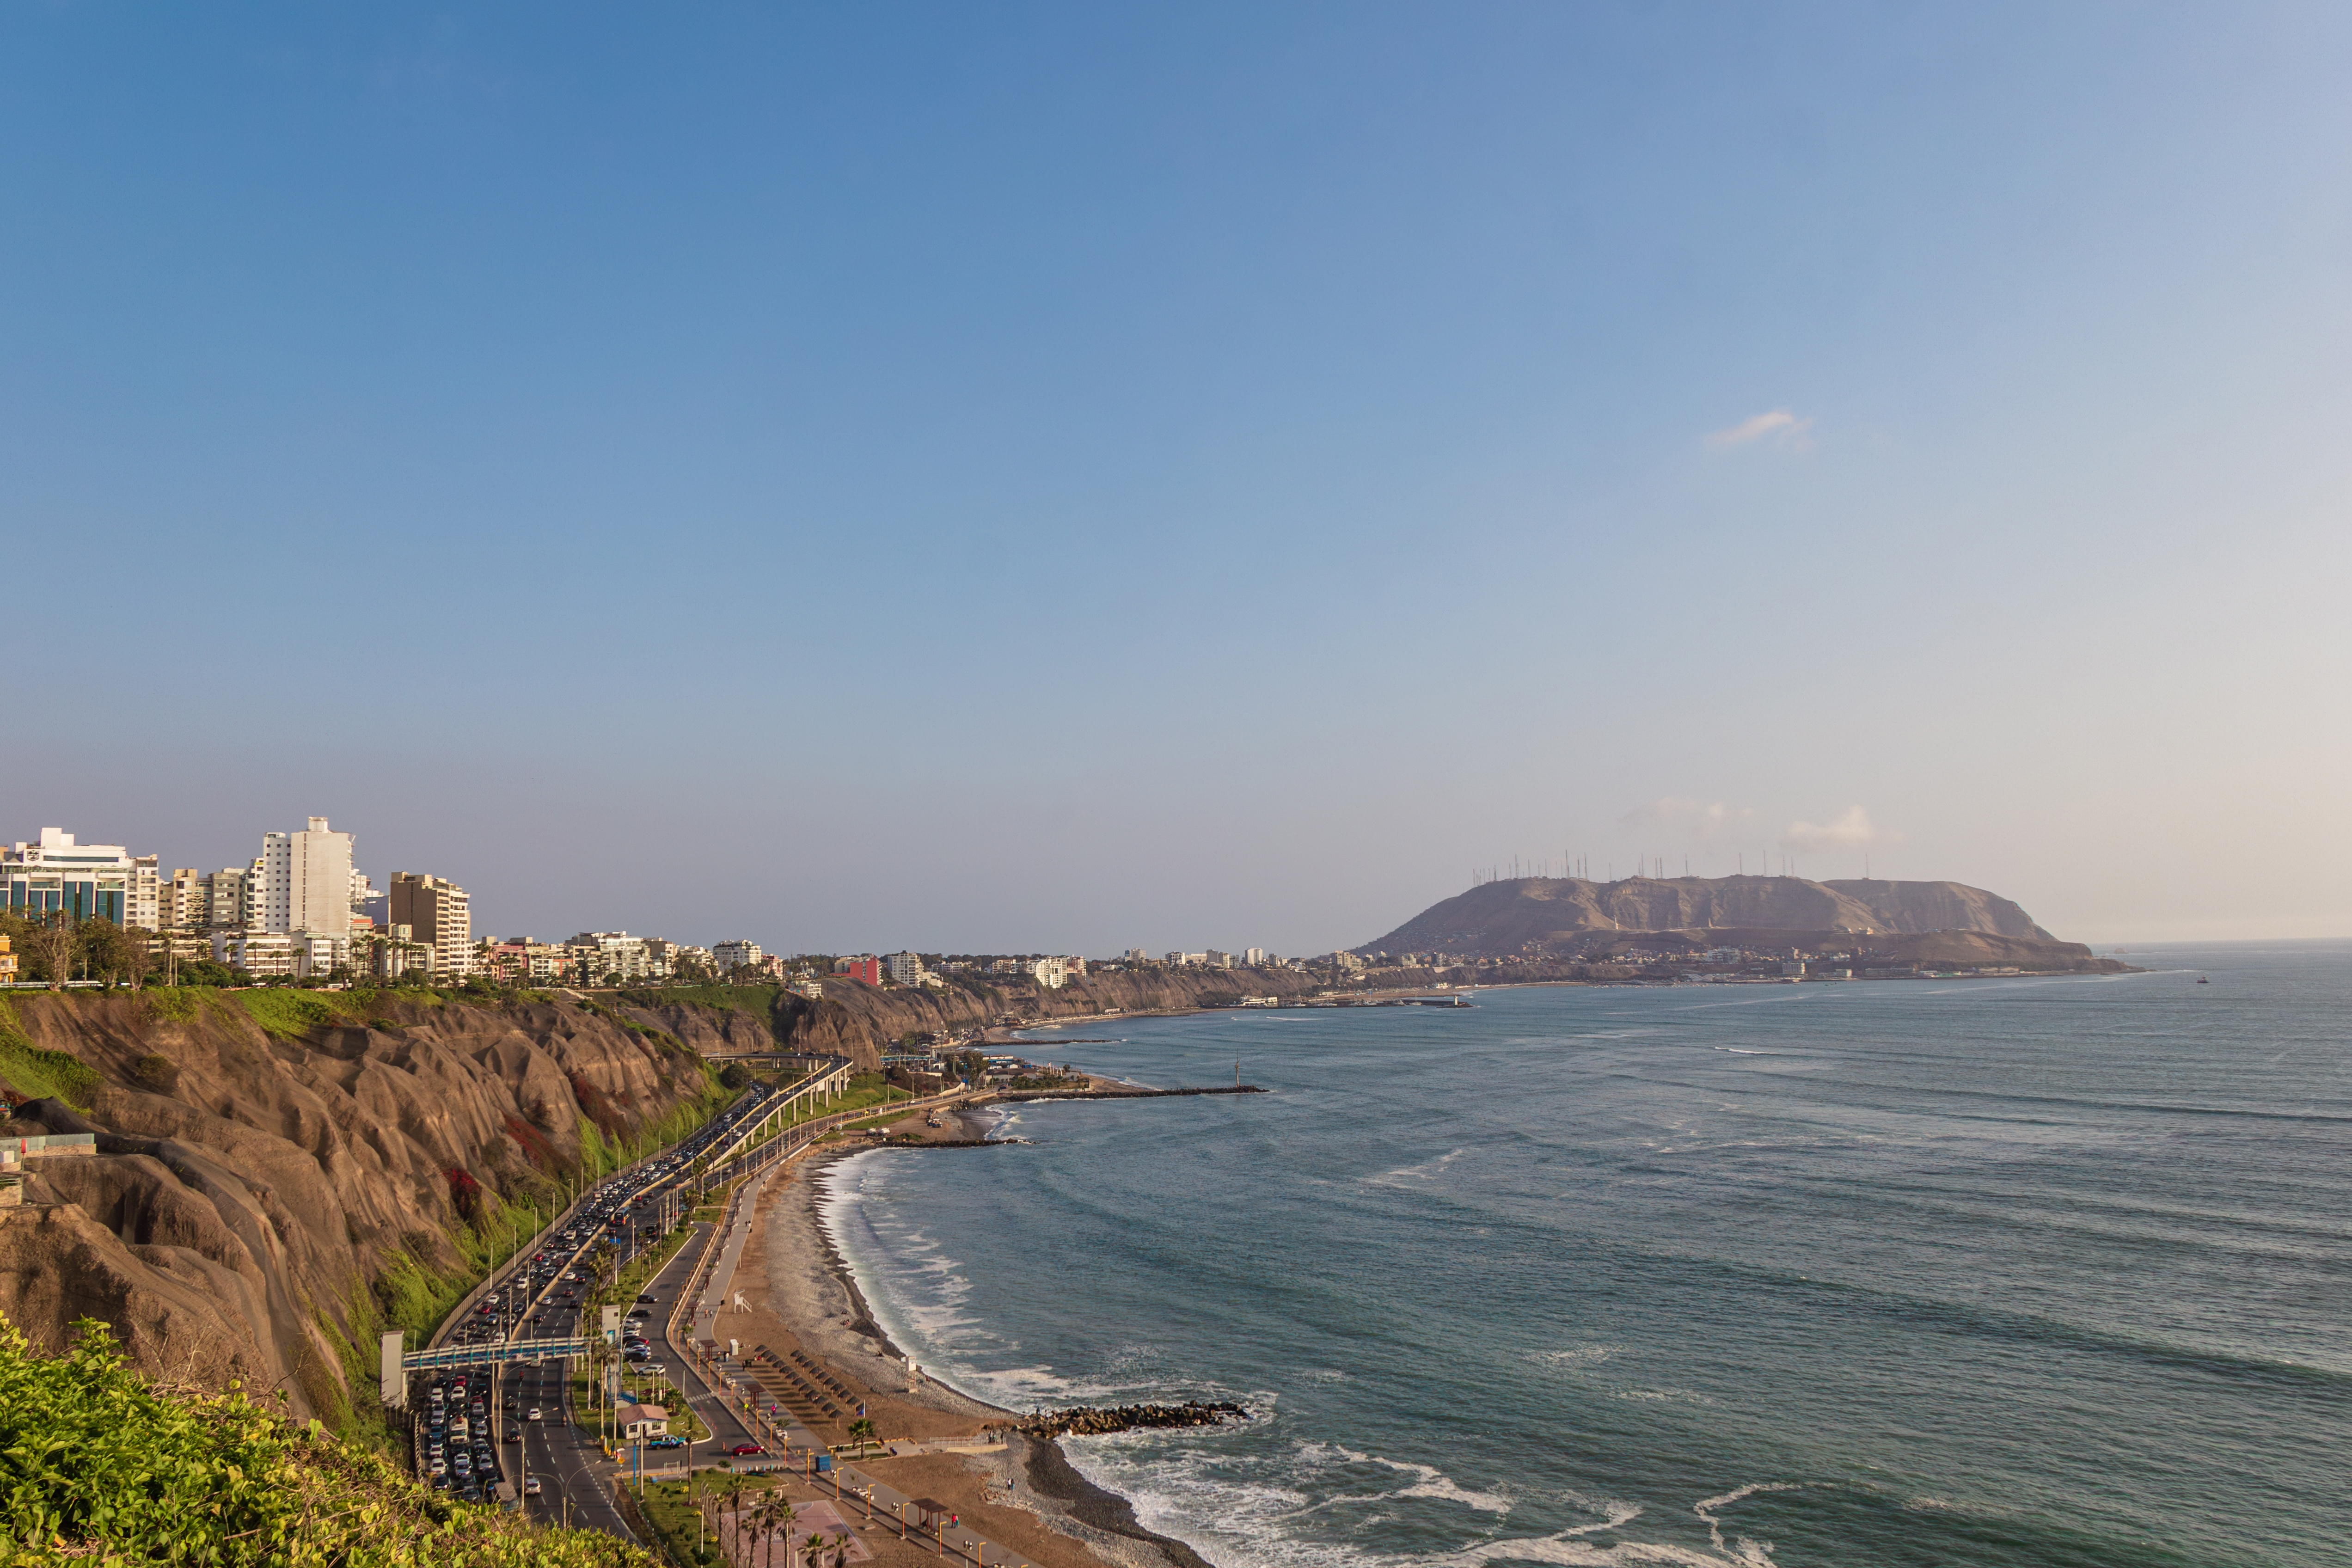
[1022, 1493]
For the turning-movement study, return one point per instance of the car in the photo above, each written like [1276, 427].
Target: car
[436, 1467]
[532, 1413]
[651, 1368]
[664, 1442]
[530, 1486]
[644, 1298]
[514, 1434]
[746, 1450]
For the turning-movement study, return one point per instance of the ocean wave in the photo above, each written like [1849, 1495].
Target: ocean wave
[1748, 1550]
[1422, 1171]
[1432, 1482]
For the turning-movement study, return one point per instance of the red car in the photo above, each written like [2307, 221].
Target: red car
[741, 1449]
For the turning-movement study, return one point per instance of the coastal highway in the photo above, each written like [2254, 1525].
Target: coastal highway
[573, 1470]
[537, 1295]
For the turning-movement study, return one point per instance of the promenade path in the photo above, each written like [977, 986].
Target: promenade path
[709, 1385]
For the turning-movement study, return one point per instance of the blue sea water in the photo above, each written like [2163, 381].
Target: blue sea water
[2032, 1272]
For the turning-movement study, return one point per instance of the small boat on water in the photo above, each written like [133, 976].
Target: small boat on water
[2202, 981]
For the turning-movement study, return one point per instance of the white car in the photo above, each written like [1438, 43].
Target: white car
[532, 1414]
[530, 1486]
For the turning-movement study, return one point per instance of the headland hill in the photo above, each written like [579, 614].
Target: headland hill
[1671, 928]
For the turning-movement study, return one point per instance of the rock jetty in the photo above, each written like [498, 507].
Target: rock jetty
[1088, 1422]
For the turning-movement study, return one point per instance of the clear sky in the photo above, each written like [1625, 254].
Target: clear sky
[1062, 477]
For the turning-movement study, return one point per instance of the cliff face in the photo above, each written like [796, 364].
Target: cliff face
[1506, 917]
[253, 1189]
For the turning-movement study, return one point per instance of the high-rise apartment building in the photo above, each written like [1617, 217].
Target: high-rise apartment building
[145, 894]
[435, 910]
[55, 874]
[179, 902]
[904, 968]
[306, 880]
[233, 898]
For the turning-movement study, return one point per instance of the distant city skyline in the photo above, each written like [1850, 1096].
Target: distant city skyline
[1054, 478]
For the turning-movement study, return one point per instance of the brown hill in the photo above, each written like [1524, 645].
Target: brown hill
[1556, 914]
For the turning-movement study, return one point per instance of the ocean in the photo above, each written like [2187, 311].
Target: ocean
[1990, 1272]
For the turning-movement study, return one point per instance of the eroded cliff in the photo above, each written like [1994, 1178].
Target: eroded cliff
[278, 1175]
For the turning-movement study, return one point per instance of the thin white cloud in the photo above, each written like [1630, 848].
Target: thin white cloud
[1692, 817]
[1782, 426]
[1852, 829]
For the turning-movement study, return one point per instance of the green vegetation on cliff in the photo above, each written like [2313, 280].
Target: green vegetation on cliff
[98, 1466]
[36, 1074]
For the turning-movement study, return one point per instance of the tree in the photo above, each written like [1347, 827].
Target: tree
[54, 942]
[863, 1430]
[138, 957]
[775, 1517]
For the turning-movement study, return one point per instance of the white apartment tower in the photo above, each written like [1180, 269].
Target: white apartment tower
[306, 881]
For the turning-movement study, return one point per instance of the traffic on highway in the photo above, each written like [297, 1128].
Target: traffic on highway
[499, 1431]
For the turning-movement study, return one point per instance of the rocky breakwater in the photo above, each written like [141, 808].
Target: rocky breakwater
[1092, 1421]
[279, 1175]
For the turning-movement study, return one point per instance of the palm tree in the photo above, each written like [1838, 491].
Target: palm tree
[863, 1430]
[776, 1517]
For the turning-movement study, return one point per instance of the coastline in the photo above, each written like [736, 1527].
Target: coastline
[1020, 1490]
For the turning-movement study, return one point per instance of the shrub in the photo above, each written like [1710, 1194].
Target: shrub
[97, 1465]
[158, 1075]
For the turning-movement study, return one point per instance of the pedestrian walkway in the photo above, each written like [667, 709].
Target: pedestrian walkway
[736, 1233]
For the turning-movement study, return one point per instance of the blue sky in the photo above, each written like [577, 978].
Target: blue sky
[1034, 477]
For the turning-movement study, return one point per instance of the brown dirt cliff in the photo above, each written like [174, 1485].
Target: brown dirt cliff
[263, 1200]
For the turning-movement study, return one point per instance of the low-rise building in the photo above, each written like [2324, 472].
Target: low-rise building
[869, 969]
[606, 957]
[639, 1422]
[735, 954]
[264, 954]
